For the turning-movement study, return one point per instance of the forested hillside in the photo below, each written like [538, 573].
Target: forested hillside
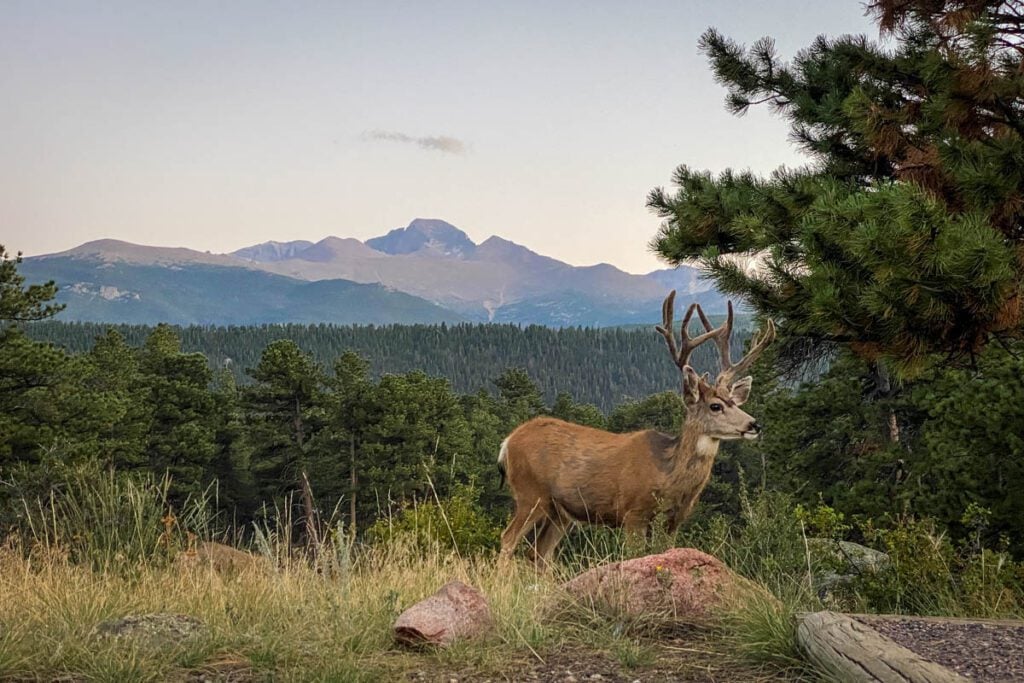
[601, 366]
[379, 418]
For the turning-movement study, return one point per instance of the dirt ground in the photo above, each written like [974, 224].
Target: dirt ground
[990, 651]
[684, 659]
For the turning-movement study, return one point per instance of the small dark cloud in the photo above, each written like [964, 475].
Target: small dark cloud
[441, 143]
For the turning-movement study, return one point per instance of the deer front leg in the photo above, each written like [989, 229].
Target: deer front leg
[636, 526]
[681, 513]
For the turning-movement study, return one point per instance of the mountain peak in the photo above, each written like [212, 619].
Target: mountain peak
[268, 252]
[424, 234]
[336, 248]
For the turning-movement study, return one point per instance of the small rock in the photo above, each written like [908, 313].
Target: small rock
[454, 612]
[159, 629]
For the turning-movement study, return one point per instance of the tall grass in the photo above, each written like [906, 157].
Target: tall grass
[103, 546]
[111, 519]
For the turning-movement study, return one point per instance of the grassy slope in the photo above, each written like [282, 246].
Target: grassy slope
[297, 624]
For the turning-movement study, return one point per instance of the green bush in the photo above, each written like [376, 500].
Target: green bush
[456, 523]
[929, 574]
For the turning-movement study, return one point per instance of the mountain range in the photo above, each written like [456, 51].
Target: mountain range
[426, 272]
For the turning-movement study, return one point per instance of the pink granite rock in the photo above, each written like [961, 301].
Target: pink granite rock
[454, 612]
[682, 584]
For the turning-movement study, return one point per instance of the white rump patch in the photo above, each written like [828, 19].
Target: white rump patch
[503, 453]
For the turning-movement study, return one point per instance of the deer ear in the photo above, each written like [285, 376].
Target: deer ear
[741, 390]
[691, 386]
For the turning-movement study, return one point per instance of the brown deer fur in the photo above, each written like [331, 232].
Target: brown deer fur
[561, 473]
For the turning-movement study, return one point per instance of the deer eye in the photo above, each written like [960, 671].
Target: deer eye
[716, 407]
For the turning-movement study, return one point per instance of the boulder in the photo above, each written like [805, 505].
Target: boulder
[851, 559]
[454, 612]
[222, 558]
[680, 585]
[155, 629]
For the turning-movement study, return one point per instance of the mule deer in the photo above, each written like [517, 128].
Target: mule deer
[560, 473]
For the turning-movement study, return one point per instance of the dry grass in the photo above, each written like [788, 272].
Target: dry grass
[105, 548]
[297, 623]
[294, 622]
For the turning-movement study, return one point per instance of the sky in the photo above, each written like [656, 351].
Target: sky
[217, 125]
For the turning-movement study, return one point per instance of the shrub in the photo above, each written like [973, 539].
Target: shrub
[456, 523]
[928, 574]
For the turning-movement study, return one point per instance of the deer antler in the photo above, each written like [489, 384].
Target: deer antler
[730, 371]
[681, 356]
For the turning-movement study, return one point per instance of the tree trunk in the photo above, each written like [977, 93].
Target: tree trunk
[883, 386]
[309, 512]
[305, 489]
[354, 482]
[854, 652]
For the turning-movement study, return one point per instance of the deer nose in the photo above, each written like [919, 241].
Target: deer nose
[755, 427]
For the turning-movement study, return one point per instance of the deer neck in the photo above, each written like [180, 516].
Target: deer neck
[694, 456]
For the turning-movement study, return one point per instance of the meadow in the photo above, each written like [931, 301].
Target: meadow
[105, 548]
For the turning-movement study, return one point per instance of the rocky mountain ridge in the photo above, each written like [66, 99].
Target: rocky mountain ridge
[432, 261]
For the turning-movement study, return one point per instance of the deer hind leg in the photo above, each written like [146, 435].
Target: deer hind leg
[548, 538]
[525, 519]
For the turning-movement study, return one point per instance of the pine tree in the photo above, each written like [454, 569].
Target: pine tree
[181, 434]
[19, 304]
[519, 396]
[351, 408]
[284, 412]
[903, 240]
[30, 372]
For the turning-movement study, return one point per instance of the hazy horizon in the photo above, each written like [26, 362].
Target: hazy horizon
[219, 127]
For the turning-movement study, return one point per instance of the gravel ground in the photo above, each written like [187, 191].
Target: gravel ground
[678, 660]
[982, 651]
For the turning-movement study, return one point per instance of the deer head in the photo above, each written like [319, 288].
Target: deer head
[714, 406]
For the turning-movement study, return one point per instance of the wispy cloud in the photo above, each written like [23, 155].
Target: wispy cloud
[441, 143]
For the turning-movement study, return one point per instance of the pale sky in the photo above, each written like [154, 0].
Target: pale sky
[216, 125]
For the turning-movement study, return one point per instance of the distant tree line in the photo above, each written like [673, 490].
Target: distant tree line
[605, 366]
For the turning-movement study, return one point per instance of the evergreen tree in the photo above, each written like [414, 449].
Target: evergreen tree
[232, 463]
[663, 412]
[114, 387]
[488, 428]
[971, 448]
[30, 372]
[565, 408]
[19, 304]
[181, 434]
[352, 406]
[418, 444]
[284, 412]
[902, 240]
[519, 396]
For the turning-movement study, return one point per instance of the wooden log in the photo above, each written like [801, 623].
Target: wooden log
[852, 651]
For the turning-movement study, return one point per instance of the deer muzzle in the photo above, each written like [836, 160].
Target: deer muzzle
[753, 431]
